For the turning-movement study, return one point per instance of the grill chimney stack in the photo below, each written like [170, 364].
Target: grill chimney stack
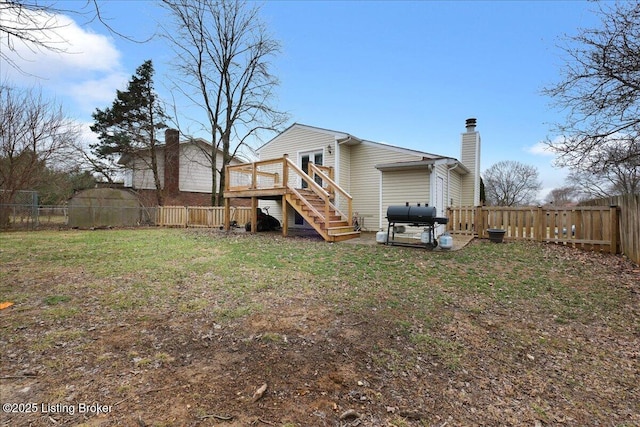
[471, 125]
[470, 158]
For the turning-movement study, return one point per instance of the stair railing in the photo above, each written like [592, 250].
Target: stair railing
[248, 177]
[314, 186]
[334, 188]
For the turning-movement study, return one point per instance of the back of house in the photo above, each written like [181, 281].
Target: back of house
[379, 175]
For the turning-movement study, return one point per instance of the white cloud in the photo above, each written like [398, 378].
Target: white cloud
[87, 136]
[97, 93]
[84, 74]
[77, 51]
[540, 149]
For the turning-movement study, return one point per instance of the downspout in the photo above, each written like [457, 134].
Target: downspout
[449, 169]
[336, 164]
[380, 203]
[432, 186]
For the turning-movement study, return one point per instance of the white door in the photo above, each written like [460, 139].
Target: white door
[315, 157]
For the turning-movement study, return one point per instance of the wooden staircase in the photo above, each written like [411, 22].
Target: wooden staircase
[311, 207]
[273, 178]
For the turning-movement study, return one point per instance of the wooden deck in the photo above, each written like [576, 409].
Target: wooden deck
[263, 194]
[313, 194]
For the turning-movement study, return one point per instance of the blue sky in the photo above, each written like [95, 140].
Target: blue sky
[406, 73]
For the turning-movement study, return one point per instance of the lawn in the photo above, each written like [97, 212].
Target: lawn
[174, 327]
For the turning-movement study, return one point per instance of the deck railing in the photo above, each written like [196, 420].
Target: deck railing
[265, 174]
[283, 174]
[325, 170]
[590, 227]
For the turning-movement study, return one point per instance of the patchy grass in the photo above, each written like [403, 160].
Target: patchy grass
[508, 334]
[56, 299]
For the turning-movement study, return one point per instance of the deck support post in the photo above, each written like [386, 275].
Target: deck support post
[285, 216]
[227, 214]
[254, 215]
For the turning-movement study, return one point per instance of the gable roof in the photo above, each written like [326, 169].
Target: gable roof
[203, 143]
[424, 164]
[344, 138]
[300, 125]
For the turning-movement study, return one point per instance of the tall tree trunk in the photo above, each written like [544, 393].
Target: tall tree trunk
[214, 177]
[156, 179]
[154, 165]
[226, 159]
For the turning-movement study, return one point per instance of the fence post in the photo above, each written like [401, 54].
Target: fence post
[227, 214]
[539, 225]
[614, 227]
[479, 222]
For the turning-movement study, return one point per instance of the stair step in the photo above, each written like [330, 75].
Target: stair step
[339, 230]
[336, 229]
[333, 217]
[319, 208]
[344, 236]
[339, 223]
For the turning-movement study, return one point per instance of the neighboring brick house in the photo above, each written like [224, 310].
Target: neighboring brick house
[184, 168]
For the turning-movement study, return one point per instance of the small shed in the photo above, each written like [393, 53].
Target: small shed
[106, 207]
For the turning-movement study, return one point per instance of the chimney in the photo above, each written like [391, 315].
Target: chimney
[470, 158]
[171, 162]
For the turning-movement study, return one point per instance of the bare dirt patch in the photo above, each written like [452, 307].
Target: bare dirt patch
[329, 358]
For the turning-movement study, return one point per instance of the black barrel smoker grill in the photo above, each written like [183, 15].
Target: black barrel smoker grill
[415, 216]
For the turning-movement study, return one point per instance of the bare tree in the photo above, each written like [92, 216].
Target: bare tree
[34, 134]
[511, 183]
[103, 169]
[223, 51]
[35, 25]
[621, 177]
[32, 24]
[562, 196]
[600, 92]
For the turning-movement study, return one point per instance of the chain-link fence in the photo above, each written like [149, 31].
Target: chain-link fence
[88, 209]
[18, 209]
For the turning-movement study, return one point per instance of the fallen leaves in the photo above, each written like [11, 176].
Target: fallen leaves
[257, 395]
[355, 336]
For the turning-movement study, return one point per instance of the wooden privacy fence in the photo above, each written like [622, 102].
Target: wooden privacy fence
[629, 222]
[594, 228]
[199, 216]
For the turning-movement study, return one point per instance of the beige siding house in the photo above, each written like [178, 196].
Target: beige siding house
[194, 170]
[184, 168]
[379, 175]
